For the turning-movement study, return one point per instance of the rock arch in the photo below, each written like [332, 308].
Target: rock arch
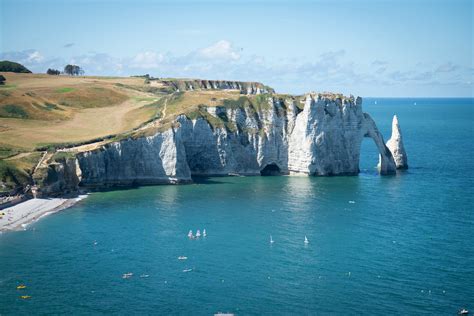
[386, 162]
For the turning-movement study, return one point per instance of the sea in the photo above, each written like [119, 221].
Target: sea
[377, 245]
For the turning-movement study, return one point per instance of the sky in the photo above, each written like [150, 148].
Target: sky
[417, 48]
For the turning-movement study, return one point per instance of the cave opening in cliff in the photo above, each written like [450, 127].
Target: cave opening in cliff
[270, 170]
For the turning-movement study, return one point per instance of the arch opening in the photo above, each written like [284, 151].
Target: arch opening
[271, 170]
[369, 156]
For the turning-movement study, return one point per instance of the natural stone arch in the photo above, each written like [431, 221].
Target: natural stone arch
[386, 162]
[271, 169]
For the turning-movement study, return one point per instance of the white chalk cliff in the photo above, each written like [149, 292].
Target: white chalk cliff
[396, 147]
[322, 139]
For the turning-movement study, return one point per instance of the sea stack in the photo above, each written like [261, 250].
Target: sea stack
[395, 145]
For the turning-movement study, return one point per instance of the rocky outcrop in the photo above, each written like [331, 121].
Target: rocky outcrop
[396, 147]
[275, 137]
[59, 177]
[327, 137]
[243, 86]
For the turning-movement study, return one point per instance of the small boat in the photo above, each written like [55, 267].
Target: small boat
[127, 275]
[463, 312]
[306, 241]
[19, 287]
[144, 276]
[204, 234]
[271, 239]
[182, 258]
[190, 234]
[187, 270]
[198, 233]
[25, 297]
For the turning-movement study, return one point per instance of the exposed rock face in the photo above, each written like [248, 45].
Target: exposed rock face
[244, 87]
[61, 177]
[396, 147]
[148, 160]
[327, 137]
[278, 138]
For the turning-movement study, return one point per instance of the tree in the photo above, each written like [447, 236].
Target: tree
[2, 80]
[11, 66]
[53, 72]
[73, 70]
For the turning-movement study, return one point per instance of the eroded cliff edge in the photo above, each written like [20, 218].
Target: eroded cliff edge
[320, 136]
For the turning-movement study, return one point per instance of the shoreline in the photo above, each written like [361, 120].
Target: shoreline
[21, 215]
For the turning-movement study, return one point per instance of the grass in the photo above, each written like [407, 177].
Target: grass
[8, 151]
[13, 111]
[7, 86]
[16, 173]
[46, 109]
[142, 99]
[61, 155]
[64, 90]
[12, 177]
[88, 97]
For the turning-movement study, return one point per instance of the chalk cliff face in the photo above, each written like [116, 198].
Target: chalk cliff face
[396, 147]
[322, 139]
[327, 137]
[148, 160]
[191, 85]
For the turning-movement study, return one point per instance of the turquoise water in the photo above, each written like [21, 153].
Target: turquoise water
[404, 247]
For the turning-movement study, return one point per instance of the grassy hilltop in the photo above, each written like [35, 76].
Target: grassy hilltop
[41, 114]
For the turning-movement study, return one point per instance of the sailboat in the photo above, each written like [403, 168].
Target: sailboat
[204, 234]
[198, 233]
[306, 241]
[190, 234]
[271, 239]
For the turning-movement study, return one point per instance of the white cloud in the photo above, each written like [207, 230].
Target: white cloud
[35, 57]
[222, 50]
[331, 71]
[447, 67]
[147, 60]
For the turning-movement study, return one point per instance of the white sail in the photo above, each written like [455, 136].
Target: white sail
[306, 241]
[190, 234]
[204, 234]
[198, 233]
[271, 239]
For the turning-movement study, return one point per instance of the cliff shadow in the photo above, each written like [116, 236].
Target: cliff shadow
[208, 179]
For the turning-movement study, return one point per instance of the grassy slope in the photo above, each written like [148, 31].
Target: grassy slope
[42, 109]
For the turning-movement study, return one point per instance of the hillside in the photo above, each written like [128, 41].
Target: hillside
[42, 113]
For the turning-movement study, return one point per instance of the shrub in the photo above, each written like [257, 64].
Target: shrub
[53, 72]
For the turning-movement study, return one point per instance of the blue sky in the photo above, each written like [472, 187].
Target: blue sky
[367, 48]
